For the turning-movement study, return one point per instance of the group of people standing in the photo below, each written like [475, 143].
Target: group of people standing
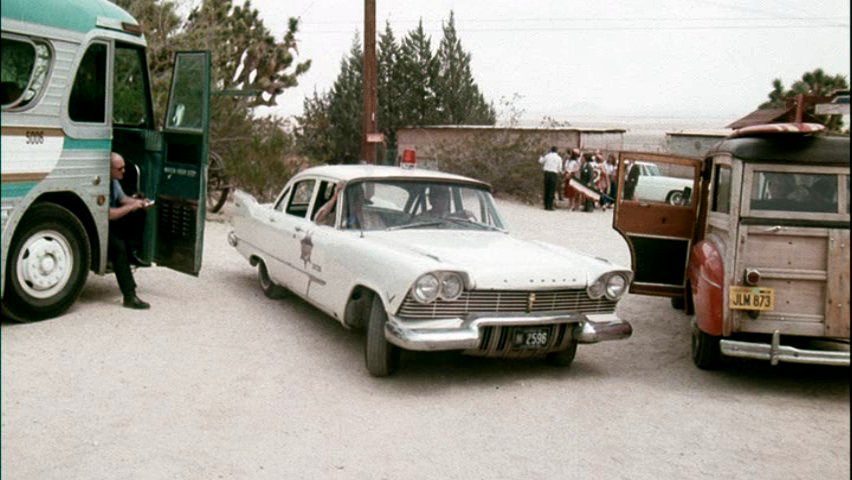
[589, 168]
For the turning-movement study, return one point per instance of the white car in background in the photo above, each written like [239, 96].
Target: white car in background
[653, 186]
[372, 247]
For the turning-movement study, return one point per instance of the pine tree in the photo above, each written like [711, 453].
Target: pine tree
[459, 98]
[419, 74]
[390, 86]
[346, 105]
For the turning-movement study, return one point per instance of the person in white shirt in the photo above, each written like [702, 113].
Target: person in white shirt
[551, 163]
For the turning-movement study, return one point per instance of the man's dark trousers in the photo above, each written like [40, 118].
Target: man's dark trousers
[551, 179]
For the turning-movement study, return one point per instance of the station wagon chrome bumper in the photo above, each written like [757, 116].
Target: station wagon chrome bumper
[468, 334]
[775, 352]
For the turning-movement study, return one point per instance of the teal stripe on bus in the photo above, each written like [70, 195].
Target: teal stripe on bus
[80, 144]
[15, 190]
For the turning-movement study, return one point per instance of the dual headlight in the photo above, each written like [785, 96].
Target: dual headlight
[612, 285]
[431, 286]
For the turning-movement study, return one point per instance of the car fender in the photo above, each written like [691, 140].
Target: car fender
[706, 275]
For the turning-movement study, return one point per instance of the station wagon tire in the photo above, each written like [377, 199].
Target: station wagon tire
[706, 354]
[562, 358]
[269, 287]
[380, 356]
[47, 265]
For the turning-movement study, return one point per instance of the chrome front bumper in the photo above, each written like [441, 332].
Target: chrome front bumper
[775, 352]
[467, 334]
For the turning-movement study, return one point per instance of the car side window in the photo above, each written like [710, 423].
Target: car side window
[722, 189]
[301, 198]
[282, 199]
[324, 195]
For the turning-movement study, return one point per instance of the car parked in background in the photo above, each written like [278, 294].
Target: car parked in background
[760, 256]
[423, 261]
[650, 185]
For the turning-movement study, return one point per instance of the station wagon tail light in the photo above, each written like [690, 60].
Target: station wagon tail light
[431, 286]
[611, 285]
[752, 276]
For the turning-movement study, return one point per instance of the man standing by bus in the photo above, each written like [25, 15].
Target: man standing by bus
[124, 229]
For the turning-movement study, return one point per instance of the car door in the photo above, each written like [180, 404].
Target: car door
[658, 233]
[181, 180]
[294, 246]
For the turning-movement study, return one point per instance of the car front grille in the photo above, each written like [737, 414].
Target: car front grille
[506, 301]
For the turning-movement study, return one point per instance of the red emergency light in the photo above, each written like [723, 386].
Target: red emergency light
[409, 158]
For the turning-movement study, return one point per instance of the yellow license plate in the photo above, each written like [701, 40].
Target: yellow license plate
[751, 298]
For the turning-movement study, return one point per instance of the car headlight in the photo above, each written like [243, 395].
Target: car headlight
[616, 285]
[431, 286]
[452, 286]
[426, 288]
[596, 289]
[612, 285]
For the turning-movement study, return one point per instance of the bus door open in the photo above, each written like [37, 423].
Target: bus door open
[182, 182]
[656, 208]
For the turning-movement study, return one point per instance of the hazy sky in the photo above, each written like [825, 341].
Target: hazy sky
[611, 58]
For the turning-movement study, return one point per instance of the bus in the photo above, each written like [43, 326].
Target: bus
[75, 87]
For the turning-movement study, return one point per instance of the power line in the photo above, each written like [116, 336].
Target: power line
[624, 28]
[592, 19]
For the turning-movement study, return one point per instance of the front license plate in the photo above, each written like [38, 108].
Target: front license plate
[530, 337]
[751, 298]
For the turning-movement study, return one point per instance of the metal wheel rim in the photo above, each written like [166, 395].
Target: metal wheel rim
[44, 264]
[676, 198]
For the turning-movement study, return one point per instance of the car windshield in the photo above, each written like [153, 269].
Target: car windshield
[405, 204]
[651, 170]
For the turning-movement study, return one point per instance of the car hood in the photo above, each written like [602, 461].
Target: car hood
[498, 260]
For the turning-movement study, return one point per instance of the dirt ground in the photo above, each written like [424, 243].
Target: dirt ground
[217, 381]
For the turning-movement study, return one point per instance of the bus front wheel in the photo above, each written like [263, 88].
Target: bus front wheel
[48, 263]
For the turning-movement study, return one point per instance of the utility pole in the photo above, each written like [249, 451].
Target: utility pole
[370, 135]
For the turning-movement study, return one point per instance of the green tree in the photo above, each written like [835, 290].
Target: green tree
[245, 56]
[346, 106]
[411, 92]
[314, 136]
[814, 83]
[459, 97]
[390, 85]
[418, 70]
[161, 24]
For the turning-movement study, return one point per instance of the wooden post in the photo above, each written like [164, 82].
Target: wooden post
[370, 123]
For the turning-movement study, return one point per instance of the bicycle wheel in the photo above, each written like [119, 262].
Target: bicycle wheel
[217, 184]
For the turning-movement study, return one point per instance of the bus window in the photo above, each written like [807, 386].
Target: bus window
[24, 71]
[185, 111]
[130, 98]
[88, 96]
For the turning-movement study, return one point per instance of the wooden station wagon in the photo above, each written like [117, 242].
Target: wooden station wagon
[758, 252]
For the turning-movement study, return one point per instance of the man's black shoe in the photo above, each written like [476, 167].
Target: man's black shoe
[135, 260]
[136, 303]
